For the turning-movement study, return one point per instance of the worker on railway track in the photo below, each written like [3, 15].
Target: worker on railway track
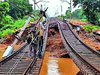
[32, 41]
[78, 28]
[40, 40]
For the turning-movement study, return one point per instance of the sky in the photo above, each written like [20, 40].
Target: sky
[55, 7]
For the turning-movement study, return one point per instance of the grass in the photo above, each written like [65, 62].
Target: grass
[8, 29]
[89, 28]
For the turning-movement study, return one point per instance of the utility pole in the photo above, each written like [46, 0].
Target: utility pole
[61, 10]
[70, 10]
[34, 5]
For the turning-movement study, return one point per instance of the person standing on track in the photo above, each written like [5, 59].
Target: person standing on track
[78, 29]
[32, 41]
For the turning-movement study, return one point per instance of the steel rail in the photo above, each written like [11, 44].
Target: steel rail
[75, 51]
[4, 60]
[93, 50]
[29, 68]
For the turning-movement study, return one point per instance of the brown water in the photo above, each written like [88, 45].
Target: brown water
[54, 50]
[66, 66]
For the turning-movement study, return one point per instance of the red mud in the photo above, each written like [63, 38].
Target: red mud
[54, 50]
[78, 22]
[55, 45]
[90, 42]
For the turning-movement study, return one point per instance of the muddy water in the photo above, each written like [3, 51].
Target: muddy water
[66, 65]
[54, 50]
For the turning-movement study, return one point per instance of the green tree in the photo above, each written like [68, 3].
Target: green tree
[4, 8]
[67, 13]
[18, 8]
[78, 14]
[91, 9]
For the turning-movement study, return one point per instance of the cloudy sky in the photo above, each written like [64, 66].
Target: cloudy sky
[55, 7]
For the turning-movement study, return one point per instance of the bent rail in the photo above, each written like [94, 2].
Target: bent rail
[86, 59]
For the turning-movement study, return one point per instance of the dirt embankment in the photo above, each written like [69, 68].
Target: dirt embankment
[8, 41]
[54, 44]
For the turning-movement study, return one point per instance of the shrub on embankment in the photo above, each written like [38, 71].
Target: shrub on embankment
[89, 28]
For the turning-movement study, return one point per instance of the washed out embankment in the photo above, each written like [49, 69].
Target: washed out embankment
[55, 50]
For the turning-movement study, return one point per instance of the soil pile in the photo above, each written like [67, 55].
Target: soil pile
[54, 44]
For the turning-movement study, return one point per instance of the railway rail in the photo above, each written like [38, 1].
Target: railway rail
[87, 59]
[90, 59]
[18, 64]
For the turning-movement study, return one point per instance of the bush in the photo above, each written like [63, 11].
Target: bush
[32, 20]
[6, 32]
[25, 17]
[96, 27]
[5, 27]
[89, 28]
[9, 29]
[19, 23]
[8, 19]
[84, 20]
[1, 35]
[37, 17]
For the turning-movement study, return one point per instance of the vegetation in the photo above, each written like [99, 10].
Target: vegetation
[18, 8]
[89, 28]
[4, 8]
[91, 9]
[77, 14]
[13, 15]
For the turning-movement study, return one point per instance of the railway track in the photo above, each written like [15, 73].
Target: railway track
[18, 64]
[87, 59]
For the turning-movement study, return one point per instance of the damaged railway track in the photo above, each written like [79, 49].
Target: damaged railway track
[87, 59]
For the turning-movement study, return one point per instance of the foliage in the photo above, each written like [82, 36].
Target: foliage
[84, 20]
[67, 13]
[78, 14]
[11, 15]
[9, 29]
[91, 9]
[60, 17]
[4, 8]
[18, 8]
[25, 17]
[8, 20]
[32, 20]
[89, 28]
[7, 32]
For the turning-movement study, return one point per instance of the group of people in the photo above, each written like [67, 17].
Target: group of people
[35, 41]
